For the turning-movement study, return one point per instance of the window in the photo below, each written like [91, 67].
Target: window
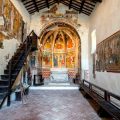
[93, 40]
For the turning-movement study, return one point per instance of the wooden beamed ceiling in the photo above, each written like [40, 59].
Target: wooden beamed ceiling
[82, 6]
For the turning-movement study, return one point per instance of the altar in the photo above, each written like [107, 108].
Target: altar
[59, 75]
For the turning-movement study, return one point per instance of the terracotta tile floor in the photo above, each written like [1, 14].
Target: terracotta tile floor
[51, 105]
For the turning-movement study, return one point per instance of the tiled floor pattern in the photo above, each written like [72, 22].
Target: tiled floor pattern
[51, 105]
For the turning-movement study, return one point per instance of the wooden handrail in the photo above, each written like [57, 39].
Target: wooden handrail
[28, 44]
[107, 93]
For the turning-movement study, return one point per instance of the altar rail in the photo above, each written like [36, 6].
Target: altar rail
[104, 101]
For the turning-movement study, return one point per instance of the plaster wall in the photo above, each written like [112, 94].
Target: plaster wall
[9, 47]
[82, 29]
[106, 21]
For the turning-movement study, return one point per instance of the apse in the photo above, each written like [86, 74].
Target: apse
[60, 46]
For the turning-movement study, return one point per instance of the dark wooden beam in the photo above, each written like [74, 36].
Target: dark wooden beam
[36, 7]
[97, 0]
[57, 1]
[23, 0]
[86, 2]
[43, 6]
[81, 7]
[70, 4]
[85, 13]
[51, 3]
[29, 6]
[28, 2]
[47, 3]
[31, 11]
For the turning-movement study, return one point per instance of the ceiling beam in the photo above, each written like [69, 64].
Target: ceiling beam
[36, 7]
[81, 7]
[47, 3]
[97, 0]
[70, 4]
[23, 0]
[57, 1]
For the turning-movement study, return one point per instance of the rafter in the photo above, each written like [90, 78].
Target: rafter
[57, 1]
[97, 0]
[70, 4]
[81, 7]
[36, 7]
[47, 3]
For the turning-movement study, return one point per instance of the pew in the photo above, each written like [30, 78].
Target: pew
[104, 100]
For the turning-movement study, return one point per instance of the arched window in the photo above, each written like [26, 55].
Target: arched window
[93, 40]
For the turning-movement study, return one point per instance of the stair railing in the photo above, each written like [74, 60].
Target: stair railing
[28, 44]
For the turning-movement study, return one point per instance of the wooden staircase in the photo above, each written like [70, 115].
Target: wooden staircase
[14, 67]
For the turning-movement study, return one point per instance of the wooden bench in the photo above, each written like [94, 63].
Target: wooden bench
[104, 101]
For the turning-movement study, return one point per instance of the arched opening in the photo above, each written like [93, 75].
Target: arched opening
[60, 50]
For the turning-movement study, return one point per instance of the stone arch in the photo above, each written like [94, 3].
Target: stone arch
[69, 29]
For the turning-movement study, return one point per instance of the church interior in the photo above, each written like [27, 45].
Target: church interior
[60, 60]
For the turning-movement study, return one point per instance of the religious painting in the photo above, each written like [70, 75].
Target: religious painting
[46, 59]
[108, 54]
[55, 61]
[59, 60]
[7, 14]
[1, 7]
[11, 20]
[70, 44]
[48, 43]
[70, 60]
[59, 43]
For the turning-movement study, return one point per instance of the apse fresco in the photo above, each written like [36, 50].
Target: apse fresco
[12, 20]
[59, 43]
[70, 44]
[59, 50]
[70, 60]
[47, 59]
[59, 60]
[48, 43]
[108, 54]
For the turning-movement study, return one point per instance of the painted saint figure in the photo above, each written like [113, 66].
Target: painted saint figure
[55, 61]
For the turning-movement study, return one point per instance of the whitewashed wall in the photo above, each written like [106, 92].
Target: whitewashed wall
[9, 49]
[83, 31]
[106, 20]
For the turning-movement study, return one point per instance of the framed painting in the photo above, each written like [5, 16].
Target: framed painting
[108, 54]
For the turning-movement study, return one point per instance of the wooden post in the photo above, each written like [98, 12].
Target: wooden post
[106, 96]
[10, 81]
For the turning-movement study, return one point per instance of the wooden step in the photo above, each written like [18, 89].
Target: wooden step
[6, 76]
[3, 88]
[13, 71]
[4, 82]
[2, 95]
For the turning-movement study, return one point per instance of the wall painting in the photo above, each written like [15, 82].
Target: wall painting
[11, 19]
[108, 54]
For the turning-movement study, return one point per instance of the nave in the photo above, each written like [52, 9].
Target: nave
[52, 105]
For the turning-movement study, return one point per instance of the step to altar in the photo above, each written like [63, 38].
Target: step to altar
[56, 86]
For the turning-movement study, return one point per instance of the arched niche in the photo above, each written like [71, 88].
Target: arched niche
[60, 47]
